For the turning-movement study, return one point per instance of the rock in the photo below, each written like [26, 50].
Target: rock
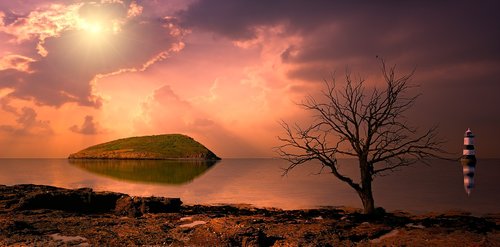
[160, 205]
[104, 201]
[87, 201]
[412, 225]
[135, 207]
[67, 200]
[257, 237]
[125, 206]
[194, 223]
[73, 240]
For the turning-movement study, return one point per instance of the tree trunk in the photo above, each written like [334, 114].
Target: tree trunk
[365, 193]
[367, 200]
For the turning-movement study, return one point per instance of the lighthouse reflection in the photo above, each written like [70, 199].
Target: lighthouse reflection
[469, 169]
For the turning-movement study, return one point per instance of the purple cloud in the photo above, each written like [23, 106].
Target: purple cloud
[88, 127]
[27, 123]
[452, 44]
[77, 44]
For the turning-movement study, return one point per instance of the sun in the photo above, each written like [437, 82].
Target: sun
[92, 27]
[94, 31]
[95, 28]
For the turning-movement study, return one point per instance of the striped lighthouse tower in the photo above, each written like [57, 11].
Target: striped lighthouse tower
[468, 161]
[469, 152]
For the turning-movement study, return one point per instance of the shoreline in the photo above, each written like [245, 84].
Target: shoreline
[313, 207]
[45, 215]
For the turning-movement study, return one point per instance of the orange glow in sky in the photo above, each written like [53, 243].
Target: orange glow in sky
[77, 73]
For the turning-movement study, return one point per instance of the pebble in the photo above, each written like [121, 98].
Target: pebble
[193, 224]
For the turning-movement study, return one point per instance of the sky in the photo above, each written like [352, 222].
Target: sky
[75, 73]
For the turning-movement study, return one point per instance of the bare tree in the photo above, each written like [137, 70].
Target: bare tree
[368, 125]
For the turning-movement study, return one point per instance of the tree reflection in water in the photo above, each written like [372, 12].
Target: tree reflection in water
[174, 172]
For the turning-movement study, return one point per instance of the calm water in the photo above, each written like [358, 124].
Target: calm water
[418, 189]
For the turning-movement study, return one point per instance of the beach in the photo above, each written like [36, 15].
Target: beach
[36, 215]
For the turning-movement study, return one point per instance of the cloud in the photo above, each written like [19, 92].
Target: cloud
[235, 67]
[453, 45]
[73, 46]
[335, 33]
[16, 62]
[246, 16]
[27, 123]
[88, 127]
[166, 112]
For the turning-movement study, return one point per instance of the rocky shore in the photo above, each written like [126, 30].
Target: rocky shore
[35, 215]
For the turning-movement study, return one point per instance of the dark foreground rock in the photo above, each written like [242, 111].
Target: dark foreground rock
[85, 200]
[33, 215]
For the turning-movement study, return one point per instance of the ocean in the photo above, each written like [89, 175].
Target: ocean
[421, 188]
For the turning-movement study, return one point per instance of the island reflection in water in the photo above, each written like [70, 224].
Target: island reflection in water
[173, 172]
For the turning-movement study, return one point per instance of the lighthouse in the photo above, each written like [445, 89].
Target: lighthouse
[469, 151]
[468, 161]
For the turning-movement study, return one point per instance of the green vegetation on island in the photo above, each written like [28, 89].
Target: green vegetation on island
[159, 147]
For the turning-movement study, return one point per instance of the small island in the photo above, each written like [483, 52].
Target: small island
[155, 147]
